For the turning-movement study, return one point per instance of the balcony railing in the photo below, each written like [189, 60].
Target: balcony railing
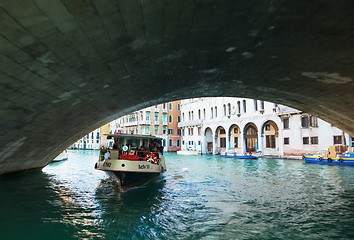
[190, 123]
[133, 123]
[164, 110]
[145, 122]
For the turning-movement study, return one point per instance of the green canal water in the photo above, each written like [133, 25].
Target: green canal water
[199, 197]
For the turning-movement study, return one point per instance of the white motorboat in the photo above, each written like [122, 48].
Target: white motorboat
[134, 159]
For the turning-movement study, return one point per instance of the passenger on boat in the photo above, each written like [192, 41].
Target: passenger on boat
[160, 148]
[142, 152]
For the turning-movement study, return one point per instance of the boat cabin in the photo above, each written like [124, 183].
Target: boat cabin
[133, 147]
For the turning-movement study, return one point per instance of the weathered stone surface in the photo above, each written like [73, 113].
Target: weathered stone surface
[67, 67]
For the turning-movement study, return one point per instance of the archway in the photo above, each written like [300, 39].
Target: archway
[208, 133]
[270, 133]
[220, 138]
[251, 137]
[234, 137]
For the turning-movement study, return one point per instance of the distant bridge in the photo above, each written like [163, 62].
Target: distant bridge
[68, 67]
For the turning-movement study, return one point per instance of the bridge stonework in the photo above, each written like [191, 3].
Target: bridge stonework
[68, 67]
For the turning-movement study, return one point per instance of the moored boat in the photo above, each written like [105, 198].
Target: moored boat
[130, 165]
[61, 157]
[240, 156]
[340, 159]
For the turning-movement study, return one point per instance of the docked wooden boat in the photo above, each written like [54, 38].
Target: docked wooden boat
[240, 156]
[340, 159]
[61, 157]
[134, 159]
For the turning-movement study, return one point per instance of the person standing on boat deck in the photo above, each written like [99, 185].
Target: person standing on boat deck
[160, 148]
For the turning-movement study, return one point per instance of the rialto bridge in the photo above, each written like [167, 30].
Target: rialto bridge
[68, 67]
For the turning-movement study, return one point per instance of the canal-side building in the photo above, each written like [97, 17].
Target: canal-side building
[214, 125]
[174, 132]
[159, 120]
[93, 140]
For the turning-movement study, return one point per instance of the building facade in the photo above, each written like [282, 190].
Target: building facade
[93, 140]
[214, 125]
[174, 132]
[159, 120]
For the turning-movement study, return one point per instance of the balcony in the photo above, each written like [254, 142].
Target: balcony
[144, 122]
[164, 123]
[157, 122]
[190, 123]
[164, 110]
[133, 123]
[148, 109]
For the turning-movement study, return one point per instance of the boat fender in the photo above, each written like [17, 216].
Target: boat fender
[320, 159]
[329, 159]
[340, 160]
[150, 158]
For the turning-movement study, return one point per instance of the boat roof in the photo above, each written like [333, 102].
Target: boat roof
[137, 136]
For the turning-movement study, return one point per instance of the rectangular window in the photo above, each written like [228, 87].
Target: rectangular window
[236, 142]
[170, 131]
[199, 143]
[285, 123]
[179, 132]
[305, 121]
[223, 142]
[337, 139]
[305, 140]
[156, 130]
[183, 132]
[199, 131]
[179, 107]
[147, 117]
[156, 117]
[286, 141]
[314, 121]
[191, 131]
[179, 118]
[170, 106]
[314, 140]
[170, 118]
[178, 143]
[170, 142]
[164, 130]
[270, 141]
[183, 142]
[147, 130]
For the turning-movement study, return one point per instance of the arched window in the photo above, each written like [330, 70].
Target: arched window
[192, 115]
[211, 113]
[244, 106]
[199, 114]
[229, 109]
[216, 111]
[189, 116]
[170, 118]
[204, 113]
[238, 107]
[183, 117]
[224, 110]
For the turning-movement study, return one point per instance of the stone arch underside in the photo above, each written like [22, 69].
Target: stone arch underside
[69, 67]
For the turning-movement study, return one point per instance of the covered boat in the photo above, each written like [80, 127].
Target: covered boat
[134, 159]
[340, 159]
